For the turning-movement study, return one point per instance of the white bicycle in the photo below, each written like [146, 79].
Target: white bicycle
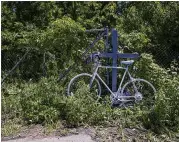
[136, 90]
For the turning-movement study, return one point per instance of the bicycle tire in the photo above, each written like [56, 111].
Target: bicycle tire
[148, 98]
[85, 80]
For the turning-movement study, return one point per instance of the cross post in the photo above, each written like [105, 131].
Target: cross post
[114, 57]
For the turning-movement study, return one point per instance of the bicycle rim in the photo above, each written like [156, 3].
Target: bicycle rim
[145, 90]
[79, 86]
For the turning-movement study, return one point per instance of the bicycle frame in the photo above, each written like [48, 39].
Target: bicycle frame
[114, 94]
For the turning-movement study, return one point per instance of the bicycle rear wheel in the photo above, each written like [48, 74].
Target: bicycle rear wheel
[142, 91]
[79, 86]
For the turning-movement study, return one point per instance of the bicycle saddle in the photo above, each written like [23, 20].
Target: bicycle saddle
[129, 62]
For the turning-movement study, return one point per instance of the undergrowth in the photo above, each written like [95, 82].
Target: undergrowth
[46, 103]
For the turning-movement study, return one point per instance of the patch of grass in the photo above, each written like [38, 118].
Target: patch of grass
[56, 128]
[11, 127]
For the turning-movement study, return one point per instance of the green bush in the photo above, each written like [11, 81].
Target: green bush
[165, 113]
[38, 101]
[149, 70]
[81, 110]
[45, 102]
[10, 100]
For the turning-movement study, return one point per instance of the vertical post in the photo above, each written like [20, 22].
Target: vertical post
[114, 50]
[107, 50]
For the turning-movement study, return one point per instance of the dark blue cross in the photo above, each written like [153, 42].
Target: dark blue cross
[115, 55]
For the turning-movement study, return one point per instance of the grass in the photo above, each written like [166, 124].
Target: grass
[45, 103]
[11, 127]
[38, 104]
[57, 128]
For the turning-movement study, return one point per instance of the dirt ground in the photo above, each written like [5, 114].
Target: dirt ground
[38, 133]
[71, 138]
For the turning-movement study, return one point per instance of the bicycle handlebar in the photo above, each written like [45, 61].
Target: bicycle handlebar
[92, 58]
[96, 30]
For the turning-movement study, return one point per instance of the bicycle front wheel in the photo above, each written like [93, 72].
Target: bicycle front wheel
[79, 86]
[141, 91]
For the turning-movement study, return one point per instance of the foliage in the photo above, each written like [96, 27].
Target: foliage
[151, 27]
[55, 33]
[11, 126]
[149, 70]
[83, 110]
[44, 102]
[22, 18]
[38, 101]
[11, 107]
[165, 112]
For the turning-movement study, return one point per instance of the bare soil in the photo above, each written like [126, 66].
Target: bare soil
[38, 133]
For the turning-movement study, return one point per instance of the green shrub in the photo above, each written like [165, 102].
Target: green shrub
[45, 102]
[81, 109]
[10, 100]
[149, 70]
[38, 101]
[167, 106]
[165, 113]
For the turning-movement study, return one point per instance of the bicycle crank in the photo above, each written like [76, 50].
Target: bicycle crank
[138, 97]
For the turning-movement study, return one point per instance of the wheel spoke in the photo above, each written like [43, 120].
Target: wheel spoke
[144, 96]
[79, 86]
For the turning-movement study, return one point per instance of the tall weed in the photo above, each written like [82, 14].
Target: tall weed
[166, 111]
